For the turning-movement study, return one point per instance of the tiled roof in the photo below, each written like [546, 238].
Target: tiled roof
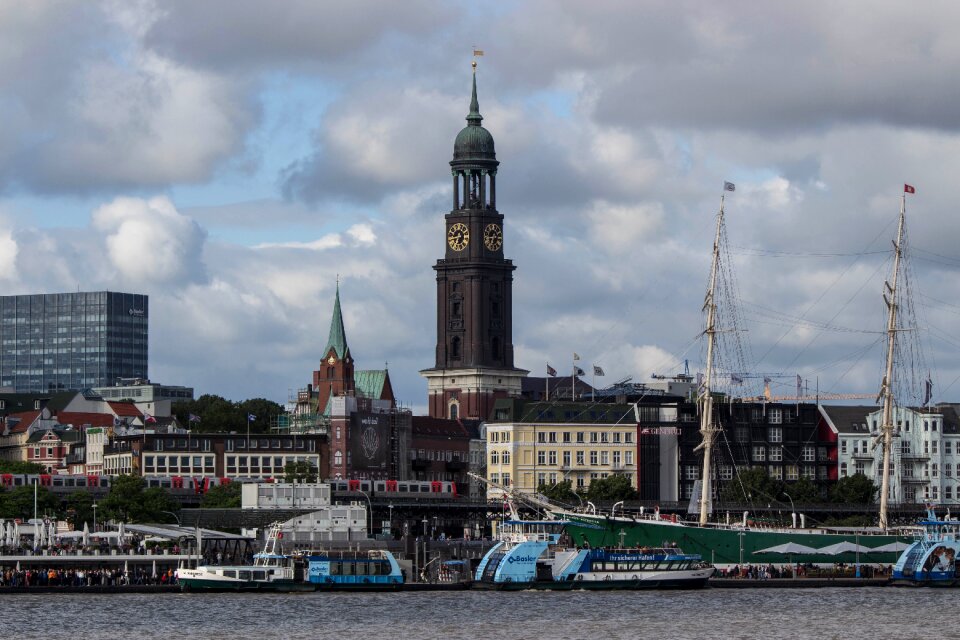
[429, 426]
[80, 418]
[125, 409]
[369, 384]
[517, 410]
[26, 419]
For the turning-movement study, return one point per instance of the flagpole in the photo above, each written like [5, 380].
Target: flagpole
[248, 432]
[547, 381]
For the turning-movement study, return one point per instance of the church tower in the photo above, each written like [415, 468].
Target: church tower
[474, 355]
[335, 377]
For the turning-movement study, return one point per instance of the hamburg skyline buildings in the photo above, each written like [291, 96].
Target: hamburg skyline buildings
[232, 179]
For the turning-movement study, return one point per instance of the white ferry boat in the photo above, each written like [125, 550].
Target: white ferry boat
[538, 554]
[272, 570]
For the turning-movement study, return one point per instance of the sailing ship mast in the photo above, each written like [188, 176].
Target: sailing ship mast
[886, 388]
[707, 427]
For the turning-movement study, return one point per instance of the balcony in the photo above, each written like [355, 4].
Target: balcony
[915, 456]
[862, 455]
[912, 480]
[456, 465]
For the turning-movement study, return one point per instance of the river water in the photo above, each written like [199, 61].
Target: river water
[710, 613]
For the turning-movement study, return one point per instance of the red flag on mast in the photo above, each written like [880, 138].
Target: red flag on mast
[908, 189]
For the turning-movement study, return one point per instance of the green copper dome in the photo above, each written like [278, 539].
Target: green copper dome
[474, 142]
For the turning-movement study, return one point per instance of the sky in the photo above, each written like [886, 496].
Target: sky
[233, 158]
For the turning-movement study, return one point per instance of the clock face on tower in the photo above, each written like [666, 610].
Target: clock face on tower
[458, 237]
[493, 237]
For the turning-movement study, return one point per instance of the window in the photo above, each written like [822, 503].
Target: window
[843, 469]
[616, 459]
[628, 437]
[948, 493]
[495, 478]
[566, 458]
[580, 458]
[809, 453]
[579, 437]
[776, 454]
[933, 427]
[505, 456]
[926, 446]
[776, 472]
[542, 437]
[553, 458]
[541, 479]
[775, 434]
[628, 458]
[494, 457]
[776, 417]
[792, 472]
[593, 458]
[935, 470]
[338, 459]
[566, 437]
[690, 472]
[926, 425]
[809, 472]
[604, 458]
[843, 446]
[594, 436]
[759, 453]
[604, 437]
[506, 479]
[933, 446]
[616, 437]
[726, 472]
[541, 457]
[947, 447]
[948, 470]
[552, 437]
[905, 447]
[742, 434]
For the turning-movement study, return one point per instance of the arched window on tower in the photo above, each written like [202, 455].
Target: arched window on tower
[338, 459]
[454, 410]
[455, 348]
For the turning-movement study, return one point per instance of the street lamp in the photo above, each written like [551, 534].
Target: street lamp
[176, 517]
[94, 516]
[390, 507]
[370, 515]
[793, 510]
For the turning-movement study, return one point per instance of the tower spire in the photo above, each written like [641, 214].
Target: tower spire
[337, 339]
[474, 118]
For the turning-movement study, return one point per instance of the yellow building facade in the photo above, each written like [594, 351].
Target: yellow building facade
[527, 453]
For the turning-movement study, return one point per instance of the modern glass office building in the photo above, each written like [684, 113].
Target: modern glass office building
[72, 341]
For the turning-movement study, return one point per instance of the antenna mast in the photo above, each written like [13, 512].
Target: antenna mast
[886, 388]
[707, 428]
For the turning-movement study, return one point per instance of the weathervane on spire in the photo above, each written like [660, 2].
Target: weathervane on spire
[476, 53]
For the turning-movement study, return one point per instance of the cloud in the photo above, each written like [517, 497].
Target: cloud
[8, 255]
[150, 241]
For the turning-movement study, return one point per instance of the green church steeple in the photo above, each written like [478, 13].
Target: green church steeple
[337, 339]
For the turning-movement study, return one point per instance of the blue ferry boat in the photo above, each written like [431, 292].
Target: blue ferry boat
[538, 554]
[354, 571]
[931, 560]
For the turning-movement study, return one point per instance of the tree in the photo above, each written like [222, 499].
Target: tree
[804, 491]
[18, 503]
[559, 492]
[219, 415]
[19, 466]
[129, 501]
[615, 487]
[224, 496]
[855, 489]
[79, 508]
[300, 471]
[752, 484]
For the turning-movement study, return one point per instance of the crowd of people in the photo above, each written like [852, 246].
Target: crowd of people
[82, 577]
[771, 571]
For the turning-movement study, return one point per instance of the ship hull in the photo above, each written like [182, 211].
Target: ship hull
[725, 546]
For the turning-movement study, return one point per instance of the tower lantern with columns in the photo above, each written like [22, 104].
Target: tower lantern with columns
[474, 353]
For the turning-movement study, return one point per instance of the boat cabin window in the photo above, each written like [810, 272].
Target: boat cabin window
[259, 575]
[229, 573]
[244, 575]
